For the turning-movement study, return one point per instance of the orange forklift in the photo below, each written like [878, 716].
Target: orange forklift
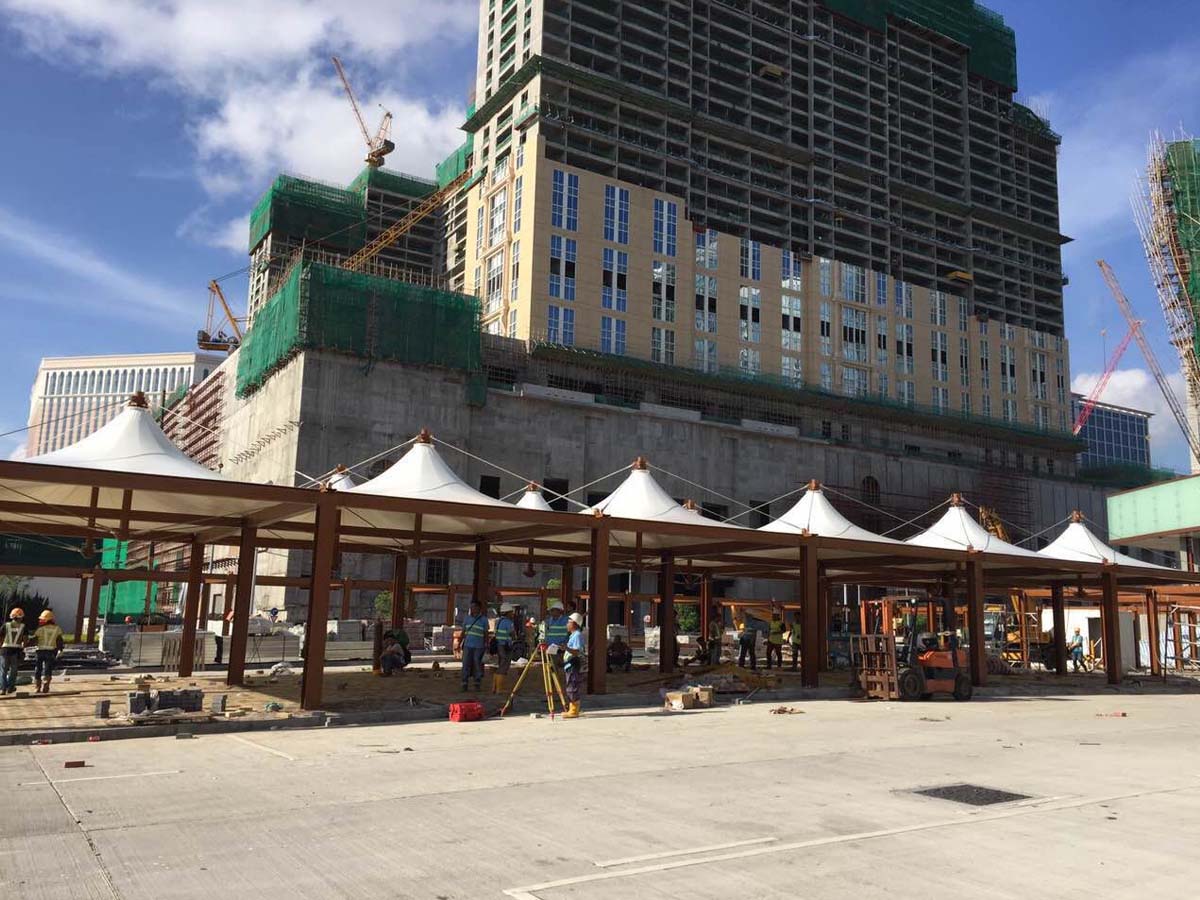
[924, 663]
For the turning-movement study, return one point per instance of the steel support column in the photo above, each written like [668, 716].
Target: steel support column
[236, 659]
[825, 603]
[978, 659]
[1060, 629]
[347, 589]
[810, 616]
[227, 604]
[94, 613]
[191, 609]
[1110, 620]
[481, 588]
[205, 606]
[705, 604]
[666, 614]
[597, 610]
[566, 587]
[324, 548]
[399, 589]
[1153, 634]
[81, 609]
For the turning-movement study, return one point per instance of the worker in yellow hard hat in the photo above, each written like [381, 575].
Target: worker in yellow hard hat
[573, 663]
[12, 650]
[49, 639]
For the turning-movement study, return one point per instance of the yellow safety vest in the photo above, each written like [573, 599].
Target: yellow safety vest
[776, 633]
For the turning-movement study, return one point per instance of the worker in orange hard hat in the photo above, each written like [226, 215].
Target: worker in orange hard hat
[12, 650]
[49, 639]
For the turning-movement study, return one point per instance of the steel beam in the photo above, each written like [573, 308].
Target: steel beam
[1111, 625]
[597, 609]
[97, 583]
[810, 615]
[191, 608]
[236, 659]
[978, 656]
[1153, 634]
[399, 589]
[324, 547]
[666, 614]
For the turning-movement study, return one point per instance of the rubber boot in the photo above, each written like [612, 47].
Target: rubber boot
[573, 712]
[38, 686]
[46, 686]
[497, 684]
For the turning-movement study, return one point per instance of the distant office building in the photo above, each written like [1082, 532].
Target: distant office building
[1115, 435]
[72, 396]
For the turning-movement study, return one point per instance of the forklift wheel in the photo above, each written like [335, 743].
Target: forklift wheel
[962, 687]
[910, 684]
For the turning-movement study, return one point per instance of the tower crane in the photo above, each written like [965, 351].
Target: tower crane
[1093, 397]
[380, 145]
[1177, 409]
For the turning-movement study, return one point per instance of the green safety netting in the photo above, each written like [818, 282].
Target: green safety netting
[391, 182]
[1183, 169]
[302, 208]
[454, 164]
[323, 307]
[993, 45]
[121, 598]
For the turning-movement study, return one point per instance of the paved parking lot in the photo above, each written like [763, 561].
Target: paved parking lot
[727, 803]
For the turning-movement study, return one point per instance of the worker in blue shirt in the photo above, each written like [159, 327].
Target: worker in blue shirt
[504, 643]
[475, 632]
[573, 663]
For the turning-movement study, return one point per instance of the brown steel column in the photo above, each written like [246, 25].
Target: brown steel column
[236, 658]
[666, 614]
[81, 609]
[597, 609]
[1153, 633]
[978, 660]
[191, 608]
[705, 604]
[566, 589]
[1110, 625]
[1176, 623]
[1060, 629]
[347, 588]
[205, 606]
[481, 588]
[399, 588]
[94, 614]
[825, 602]
[810, 616]
[324, 547]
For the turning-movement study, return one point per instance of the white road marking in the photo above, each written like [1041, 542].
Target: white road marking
[101, 777]
[709, 849]
[257, 745]
[528, 892]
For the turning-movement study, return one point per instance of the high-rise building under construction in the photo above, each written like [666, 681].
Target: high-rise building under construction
[839, 193]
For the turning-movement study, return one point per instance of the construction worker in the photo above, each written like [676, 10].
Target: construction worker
[794, 641]
[775, 639]
[1077, 649]
[573, 663]
[474, 643]
[49, 639]
[715, 633]
[747, 638]
[554, 629]
[12, 650]
[620, 655]
[504, 645]
[392, 658]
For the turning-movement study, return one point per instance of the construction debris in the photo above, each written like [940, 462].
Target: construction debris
[786, 711]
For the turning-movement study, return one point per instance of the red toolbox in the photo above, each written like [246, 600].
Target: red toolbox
[471, 711]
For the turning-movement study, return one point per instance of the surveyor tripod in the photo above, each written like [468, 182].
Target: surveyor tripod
[550, 682]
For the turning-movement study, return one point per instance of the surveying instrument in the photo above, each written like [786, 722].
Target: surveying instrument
[551, 683]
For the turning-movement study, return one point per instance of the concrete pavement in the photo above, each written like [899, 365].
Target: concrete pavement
[727, 803]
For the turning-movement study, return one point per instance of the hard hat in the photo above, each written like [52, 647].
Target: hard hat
[506, 607]
[646, 620]
[16, 613]
[554, 603]
[46, 616]
[129, 620]
[576, 618]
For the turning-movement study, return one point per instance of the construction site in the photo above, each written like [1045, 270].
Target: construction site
[717, 383]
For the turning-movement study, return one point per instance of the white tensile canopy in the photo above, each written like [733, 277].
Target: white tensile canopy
[1077, 543]
[639, 496]
[130, 442]
[532, 499]
[814, 514]
[956, 530]
[342, 480]
[422, 474]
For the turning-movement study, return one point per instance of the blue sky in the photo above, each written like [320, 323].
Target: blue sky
[138, 134]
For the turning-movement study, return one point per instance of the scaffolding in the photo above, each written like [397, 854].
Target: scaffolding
[321, 307]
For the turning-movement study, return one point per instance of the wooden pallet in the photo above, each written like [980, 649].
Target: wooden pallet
[874, 657]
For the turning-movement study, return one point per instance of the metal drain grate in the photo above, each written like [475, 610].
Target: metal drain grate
[971, 794]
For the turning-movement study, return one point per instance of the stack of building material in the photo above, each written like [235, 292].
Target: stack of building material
[281, 646]
[442, 638]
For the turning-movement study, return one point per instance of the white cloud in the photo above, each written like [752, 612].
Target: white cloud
[113, 289]
[1137, 389]
[260, 94]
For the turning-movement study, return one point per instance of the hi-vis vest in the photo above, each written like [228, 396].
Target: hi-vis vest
[504, 630]
[14, 634]
[776, 634]
[556, 630]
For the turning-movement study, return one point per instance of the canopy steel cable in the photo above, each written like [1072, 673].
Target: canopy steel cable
[1040, 533]
[51, 506]
[358, 465]
[522, 478]
[67, 416]
[838, 493]
[700, 486]
[766, 504]
[917, 518]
